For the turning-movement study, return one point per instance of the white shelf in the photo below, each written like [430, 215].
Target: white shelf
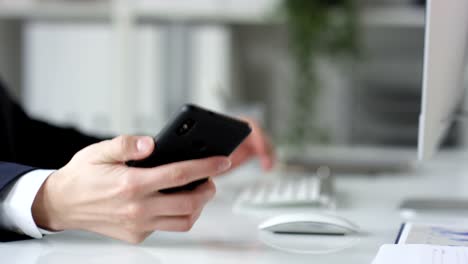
[241, 11]
[235, 12]
[71, 10]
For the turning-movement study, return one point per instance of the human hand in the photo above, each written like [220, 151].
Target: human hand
[256, 144]
[97, 192]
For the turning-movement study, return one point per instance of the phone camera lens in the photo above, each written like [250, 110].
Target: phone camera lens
[186, 126]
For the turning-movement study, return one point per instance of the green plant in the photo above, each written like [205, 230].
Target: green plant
[316, 27]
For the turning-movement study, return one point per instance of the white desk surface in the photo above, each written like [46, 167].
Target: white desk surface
[222, 236]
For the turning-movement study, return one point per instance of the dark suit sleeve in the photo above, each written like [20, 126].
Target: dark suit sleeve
[6, 236]
[9, 172]
[42, 145]
[38, 144]
[27, 144]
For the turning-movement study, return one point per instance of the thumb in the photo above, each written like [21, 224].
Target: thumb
[124, 148]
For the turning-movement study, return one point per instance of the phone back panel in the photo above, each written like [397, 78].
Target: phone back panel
[211, 134]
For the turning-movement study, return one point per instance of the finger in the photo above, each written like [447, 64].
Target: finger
[175, 223]
[240, 156]
[180, 173]
[179, 204]
[268, 160]
[260, 145]
[122, 149]
[117, 232]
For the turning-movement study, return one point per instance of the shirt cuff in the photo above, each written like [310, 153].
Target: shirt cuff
[16, 204]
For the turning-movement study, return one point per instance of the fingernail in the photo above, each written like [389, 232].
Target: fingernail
[224, 165]
[143, 144]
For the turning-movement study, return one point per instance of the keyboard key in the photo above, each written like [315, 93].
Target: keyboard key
[289, 191]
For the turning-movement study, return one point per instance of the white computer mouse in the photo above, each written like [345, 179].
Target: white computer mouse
[309, 223]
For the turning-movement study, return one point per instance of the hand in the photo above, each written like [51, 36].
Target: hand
[97, 192]
[256, 144]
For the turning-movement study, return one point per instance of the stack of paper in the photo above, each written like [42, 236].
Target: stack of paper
[430, 234]
[421, 254]
[420, 243]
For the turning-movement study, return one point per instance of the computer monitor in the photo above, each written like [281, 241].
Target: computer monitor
[444, 68]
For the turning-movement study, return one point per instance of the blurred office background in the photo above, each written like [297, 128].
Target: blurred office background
[123, 66]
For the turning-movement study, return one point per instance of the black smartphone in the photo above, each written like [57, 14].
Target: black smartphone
[195, 133]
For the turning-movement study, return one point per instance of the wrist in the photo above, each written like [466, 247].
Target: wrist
[45, 211]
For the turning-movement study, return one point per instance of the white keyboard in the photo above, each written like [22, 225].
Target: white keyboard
[285, 190]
